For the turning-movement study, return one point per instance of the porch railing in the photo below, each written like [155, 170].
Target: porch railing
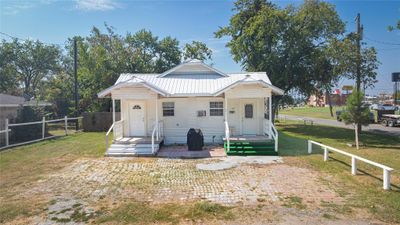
[274, 134]
[118, 131]
[227, 136]
[157, 133]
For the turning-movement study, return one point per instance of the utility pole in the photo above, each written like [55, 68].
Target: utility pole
[76, 83]
[358, 71]
[359, 37]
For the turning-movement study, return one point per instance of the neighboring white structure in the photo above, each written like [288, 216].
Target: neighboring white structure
[163, 107]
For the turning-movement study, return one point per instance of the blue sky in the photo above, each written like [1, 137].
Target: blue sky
[54, 21]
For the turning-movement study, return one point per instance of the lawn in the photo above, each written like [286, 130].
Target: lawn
[23, 167]
[315, 112]
[366, 188]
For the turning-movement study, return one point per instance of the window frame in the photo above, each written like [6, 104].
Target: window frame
[216, 108]
[252, 111]
[169, 109]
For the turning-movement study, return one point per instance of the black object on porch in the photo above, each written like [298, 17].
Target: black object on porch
[195, 139]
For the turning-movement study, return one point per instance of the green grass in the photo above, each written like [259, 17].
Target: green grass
[23, 165]
[315, 112]
[144, 213]
[364, 190]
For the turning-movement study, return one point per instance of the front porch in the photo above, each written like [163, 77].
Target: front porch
[250, 145]
[134, 146]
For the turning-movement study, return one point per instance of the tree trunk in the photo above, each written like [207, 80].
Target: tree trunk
[328, 97]
[356, 131]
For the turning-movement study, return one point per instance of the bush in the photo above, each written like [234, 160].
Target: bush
[27, 132]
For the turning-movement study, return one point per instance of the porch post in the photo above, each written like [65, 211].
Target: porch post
[226, 108]
[113, 110]
[270, 113]
[158, 131]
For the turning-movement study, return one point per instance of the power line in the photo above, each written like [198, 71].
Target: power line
[382, 42]
[24, 39]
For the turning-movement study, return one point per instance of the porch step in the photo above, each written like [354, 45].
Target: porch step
[131, 150]
[251, 148]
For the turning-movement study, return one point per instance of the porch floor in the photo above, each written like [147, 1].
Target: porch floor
[252, 138]
[181, 151]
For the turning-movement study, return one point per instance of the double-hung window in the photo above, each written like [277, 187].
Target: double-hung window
[216, 108]
[168, 108]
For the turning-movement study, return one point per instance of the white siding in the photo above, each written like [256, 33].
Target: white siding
[177, 126]
[248, 91]
[235, 119]
[134, 93]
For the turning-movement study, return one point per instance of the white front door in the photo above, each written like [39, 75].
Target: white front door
[137, 119]
[249, 117]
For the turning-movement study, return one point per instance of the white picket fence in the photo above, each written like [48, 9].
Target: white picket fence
[8, 125]
[354, 158]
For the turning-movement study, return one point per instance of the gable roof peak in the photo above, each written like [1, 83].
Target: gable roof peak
[193, 66]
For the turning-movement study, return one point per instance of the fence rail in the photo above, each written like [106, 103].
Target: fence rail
[7, 131]
[354, 158]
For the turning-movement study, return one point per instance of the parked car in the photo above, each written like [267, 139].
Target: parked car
[339, 118]
[382, 107]
[390, 120]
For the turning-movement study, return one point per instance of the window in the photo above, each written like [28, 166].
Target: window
[168, 108]
[216, 108]
[248, 111]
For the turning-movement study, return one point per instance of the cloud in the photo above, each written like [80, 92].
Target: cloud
[96, 5]
[15, 7]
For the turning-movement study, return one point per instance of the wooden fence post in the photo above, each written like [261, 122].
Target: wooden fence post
[325, 154]
[7, 135]
[386, 179]
[43, 126]
[353, 166]
[66, 125]
[309, 147]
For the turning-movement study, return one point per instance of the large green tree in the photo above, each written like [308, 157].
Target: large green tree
[288, 43]
[28, 62]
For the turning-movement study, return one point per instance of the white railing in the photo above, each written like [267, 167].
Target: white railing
[157, 133]
[266, 127]
[118, 131]
[354, 158]
[274, 134]
[227, 136]
[43, 122]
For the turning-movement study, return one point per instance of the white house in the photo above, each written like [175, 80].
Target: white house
[160, 108]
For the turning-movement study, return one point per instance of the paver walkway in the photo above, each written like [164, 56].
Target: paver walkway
[171, 180]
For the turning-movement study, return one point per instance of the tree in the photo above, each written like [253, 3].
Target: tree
[356, 112]
[283, 42]
[197, 50]
[169, 54]
[8, 78]
[31, 62]
[397, 27]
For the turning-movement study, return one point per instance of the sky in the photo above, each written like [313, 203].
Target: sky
[53, 21]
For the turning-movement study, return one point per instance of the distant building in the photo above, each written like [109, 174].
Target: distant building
[10, 104]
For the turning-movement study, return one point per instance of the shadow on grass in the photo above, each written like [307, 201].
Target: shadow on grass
[342, 135]
[360, 172]
[292, 145]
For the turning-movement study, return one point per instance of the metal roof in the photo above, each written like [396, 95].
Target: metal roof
[186, 83]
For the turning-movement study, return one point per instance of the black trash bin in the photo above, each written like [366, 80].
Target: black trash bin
[195, 140]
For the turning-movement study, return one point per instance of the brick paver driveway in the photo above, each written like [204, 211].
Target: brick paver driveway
[169, 180]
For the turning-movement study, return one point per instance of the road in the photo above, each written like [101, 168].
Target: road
[376, 128]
